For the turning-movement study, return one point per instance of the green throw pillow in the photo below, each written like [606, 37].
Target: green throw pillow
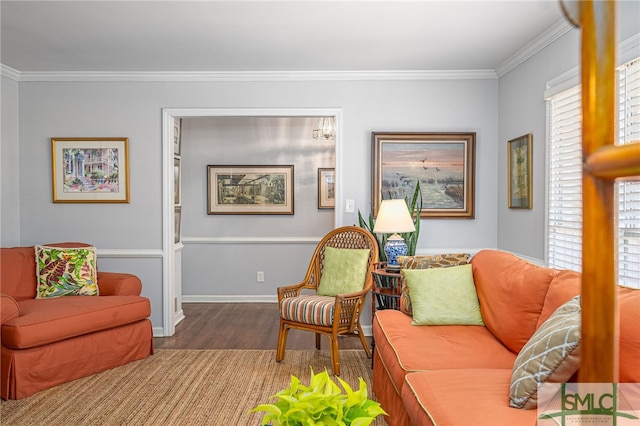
[443, 296]
[344, 271]
[66, 271]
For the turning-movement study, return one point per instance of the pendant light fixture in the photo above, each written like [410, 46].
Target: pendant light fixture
[325, 129]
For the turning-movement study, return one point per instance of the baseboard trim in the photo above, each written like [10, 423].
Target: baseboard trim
[229, 298]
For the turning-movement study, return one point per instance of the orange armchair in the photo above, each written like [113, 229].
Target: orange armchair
[331, 316]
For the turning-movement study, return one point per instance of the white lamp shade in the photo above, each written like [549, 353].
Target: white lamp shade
[393, 216]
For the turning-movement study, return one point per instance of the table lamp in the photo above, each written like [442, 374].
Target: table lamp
[394, 217]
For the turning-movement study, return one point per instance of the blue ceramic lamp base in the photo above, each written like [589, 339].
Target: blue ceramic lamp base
[394, 247]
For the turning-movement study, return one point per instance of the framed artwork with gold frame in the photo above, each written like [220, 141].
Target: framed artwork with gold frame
[520, 163]
[250, 189]
[443, 164]
[326, 188]
[90, 170]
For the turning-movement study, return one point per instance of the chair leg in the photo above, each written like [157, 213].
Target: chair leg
[282, 341]
[318, 341]
[363, 340]
[335, 354]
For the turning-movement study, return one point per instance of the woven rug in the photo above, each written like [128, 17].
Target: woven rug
[181, 387]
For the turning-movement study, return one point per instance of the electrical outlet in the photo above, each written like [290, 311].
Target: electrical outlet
[260, 276]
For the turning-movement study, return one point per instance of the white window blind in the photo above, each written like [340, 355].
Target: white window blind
[629, 192]
[564, 227]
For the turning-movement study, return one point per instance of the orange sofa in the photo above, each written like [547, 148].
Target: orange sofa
[46, 342]
[461, 374]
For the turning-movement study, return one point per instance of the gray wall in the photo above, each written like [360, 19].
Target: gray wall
[522, 111]
[131, 234]
[233, 264]
[9, 154]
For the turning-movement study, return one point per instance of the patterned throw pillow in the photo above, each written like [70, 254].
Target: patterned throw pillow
[426, 262]
[551, 355]
[344, 271]
[65, 271]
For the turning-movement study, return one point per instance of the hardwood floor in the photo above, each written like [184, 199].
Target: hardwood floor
[238, 326]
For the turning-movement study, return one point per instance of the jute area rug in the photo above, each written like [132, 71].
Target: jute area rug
[181, 387]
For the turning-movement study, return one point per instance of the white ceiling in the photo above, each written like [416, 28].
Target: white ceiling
[265, 36]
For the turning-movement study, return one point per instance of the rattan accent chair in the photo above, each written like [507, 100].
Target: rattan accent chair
[331, 316]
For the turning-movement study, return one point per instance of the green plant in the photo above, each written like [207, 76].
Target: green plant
[320, 403]
[411, 238]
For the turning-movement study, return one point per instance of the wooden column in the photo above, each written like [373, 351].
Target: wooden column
[599, 236]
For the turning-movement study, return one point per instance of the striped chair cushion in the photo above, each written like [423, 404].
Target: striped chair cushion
[308, 309]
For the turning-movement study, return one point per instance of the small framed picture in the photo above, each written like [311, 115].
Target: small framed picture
[177, 217]
[519, 157]
[250, 189]
[90, 170]
[326, 188]
[177, 135]
[176, 181]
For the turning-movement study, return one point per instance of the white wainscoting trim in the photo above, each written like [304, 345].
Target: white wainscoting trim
[126, 253]
[251, 240]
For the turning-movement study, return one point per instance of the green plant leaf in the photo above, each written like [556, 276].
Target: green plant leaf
[322, 402]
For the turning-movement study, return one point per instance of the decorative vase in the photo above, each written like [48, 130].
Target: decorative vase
[394, 247]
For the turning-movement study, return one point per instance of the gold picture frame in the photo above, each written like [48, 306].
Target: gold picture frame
[326, 188]
[90, 170]
[520, 174]
[443, 163]
[250, 190]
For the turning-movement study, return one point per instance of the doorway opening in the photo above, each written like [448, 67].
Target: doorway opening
[172, 251]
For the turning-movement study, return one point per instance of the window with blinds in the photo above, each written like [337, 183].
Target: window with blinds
[564, 223]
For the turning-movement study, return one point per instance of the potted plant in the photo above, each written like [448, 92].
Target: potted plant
[322, 402]
[411, 238]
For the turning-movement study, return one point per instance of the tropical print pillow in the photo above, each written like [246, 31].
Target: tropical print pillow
[66, 271]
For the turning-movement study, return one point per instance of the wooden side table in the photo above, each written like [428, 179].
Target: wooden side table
[385, 294]
[387, 288]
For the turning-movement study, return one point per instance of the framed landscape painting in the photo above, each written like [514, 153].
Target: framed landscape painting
[519, 159]
[443, 164]
[250, 189]
[90, 170]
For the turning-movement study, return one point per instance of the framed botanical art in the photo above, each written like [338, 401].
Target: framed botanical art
[443, 164]
[90, 170]
[326, 188]
[520, 162]
[250, 189]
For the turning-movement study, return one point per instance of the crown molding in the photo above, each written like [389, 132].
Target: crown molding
[556, 31]
[252, 76]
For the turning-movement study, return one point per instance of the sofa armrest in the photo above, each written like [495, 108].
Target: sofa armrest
[118, 284]
[9, 308]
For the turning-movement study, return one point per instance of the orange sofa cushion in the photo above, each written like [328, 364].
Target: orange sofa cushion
[18, 272]
[564, 286]
[405, 348]
[44, 321]
[511, 293]
[629, 309]
[476, 397]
